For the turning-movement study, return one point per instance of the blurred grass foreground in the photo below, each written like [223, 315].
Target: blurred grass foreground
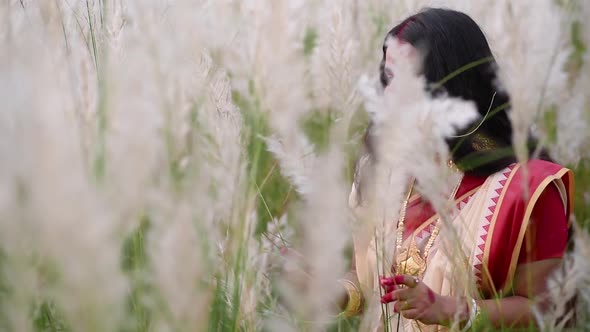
[185, 165]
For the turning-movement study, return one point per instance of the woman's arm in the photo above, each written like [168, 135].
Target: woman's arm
[529, 282]
[544, 244]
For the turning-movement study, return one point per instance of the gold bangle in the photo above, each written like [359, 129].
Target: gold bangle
[478, 318]
[355, 300]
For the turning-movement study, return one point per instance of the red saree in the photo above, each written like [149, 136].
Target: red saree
[507, 229]
[514, 216]
[510, 220]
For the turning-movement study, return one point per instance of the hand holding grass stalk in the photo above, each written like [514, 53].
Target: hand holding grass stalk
[415, 300]
[136, 186]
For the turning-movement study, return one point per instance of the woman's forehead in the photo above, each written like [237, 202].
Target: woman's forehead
[395, 48]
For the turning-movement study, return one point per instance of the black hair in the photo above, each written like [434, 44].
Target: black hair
[458, 62]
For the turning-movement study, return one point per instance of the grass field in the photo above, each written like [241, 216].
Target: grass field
[185, 165]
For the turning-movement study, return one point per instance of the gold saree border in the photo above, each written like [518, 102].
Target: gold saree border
[432, 219]
[486, 278]
[570, 196]
[525, 222]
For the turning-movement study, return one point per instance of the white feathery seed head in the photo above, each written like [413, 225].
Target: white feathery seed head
[117, 112]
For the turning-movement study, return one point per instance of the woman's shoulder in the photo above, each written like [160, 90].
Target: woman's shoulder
[532, 179]
[543, 167]
[538, 170]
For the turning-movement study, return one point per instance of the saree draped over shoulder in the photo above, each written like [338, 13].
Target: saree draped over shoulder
[477, 251]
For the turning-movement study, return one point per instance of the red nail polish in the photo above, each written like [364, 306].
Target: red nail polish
[399, 279]
[431, 296]
[386, 282]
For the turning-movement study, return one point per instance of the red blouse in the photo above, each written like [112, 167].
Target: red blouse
[547, 234]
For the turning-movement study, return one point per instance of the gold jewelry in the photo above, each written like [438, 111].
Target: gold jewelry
[451, 165]
[405, 305]
[354, 305]
[477, 319]
[474, 316]
[481, 142]
[408, 260]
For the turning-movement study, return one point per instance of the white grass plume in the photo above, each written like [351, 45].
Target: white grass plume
[410, 128]
[314, 293]
[295, 163]
[54, 215]
[161, 74]
[336, 59]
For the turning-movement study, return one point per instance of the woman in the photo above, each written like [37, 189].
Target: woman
[512, 221]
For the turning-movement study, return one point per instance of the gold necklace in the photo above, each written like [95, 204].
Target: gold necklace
[408, 260]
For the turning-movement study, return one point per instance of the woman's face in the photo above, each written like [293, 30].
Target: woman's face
[393, 52]
[389, 63]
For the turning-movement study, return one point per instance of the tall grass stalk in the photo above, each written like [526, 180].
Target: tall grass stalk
[184, 165]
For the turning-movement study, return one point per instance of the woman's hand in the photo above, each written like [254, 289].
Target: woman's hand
[417, 301]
